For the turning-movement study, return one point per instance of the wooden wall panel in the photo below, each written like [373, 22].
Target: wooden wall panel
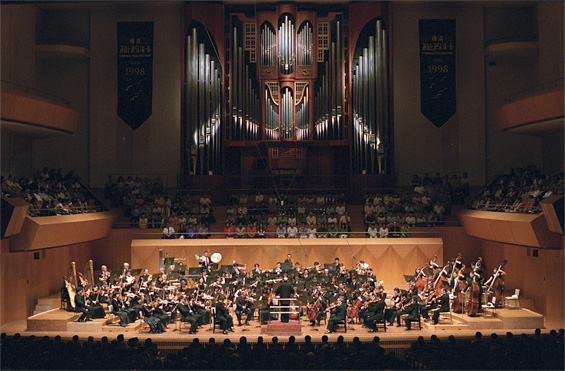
[517, 229]
[539, 278]
[25, 279]
[390, 258]
[50, 231]
[37, 111]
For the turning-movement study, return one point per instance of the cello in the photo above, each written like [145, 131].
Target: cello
[353, 311]
[314, 310]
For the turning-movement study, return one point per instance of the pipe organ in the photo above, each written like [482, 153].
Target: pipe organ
[370, 102]
[286, 75]
[203, 86]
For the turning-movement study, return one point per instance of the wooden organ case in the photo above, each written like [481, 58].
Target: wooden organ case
[286, 95]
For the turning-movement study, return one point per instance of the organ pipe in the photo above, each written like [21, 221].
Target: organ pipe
[370, 104]
[286, 46]
[203, 102]
[271, 117]
[304, 45]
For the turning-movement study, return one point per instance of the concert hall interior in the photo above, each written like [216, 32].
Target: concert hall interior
[418, 142]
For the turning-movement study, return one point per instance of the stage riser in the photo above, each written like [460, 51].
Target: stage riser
[84, 326]
[282, 329]
[390, 258]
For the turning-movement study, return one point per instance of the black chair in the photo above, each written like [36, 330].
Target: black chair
[381, 323]
[344, 323]
[214, 322]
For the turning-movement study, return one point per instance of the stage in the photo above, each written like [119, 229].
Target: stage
[395, 339]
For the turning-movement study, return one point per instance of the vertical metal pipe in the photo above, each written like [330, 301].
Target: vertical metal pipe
[385, 123]
[338, 81]
[371, 100]
[201, 103]
[207, 110]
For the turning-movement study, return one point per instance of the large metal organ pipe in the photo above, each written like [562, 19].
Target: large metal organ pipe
[252, 112]
[286, 46]
[268, 46]
[287, 113]
[203, 102]
[271, 117]
[328, 114]
[370, 105]
[304, 44]
[302, 117]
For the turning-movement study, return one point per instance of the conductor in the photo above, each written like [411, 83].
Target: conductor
[285, 290]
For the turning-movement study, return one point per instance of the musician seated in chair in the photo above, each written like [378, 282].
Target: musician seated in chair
[413, 312]
[222, 315]
[242, 307]
[318, 297]
[404, 309]
[80, 304]
[377, 313]
[337, 315]
[443, 305]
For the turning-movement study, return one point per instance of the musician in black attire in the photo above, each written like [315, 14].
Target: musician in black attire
[377, 313]
[475, 276]
[80, 306]
[188, 315]
[119, 309]
[443, 305]
[324, 304]
[405, 309]
[242, 308]
[94, 302]
[413, 312]
[222, 315]
[285, 290]
[337, 315]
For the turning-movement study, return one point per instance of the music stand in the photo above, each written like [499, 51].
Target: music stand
[115, 274]
[329, 266]
[341, 280]
[194, 271]
[169, 261]
[214, 266]
[408, 278]
[286, 266]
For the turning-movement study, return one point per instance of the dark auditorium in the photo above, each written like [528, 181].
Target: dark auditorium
[306, 185]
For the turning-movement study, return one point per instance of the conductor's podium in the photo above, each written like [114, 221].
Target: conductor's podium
[278, 328]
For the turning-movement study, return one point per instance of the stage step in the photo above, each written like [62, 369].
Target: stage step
[51, 320]
[48, 303]
[95, 325]
[115, 327]
[277, 328]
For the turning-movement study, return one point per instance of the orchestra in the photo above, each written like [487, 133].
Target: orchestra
[332, 292]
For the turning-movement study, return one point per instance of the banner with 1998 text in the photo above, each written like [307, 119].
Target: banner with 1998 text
[135, 72]
[437, 70]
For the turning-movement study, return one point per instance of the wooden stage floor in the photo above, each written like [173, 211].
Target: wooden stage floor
[395, 339]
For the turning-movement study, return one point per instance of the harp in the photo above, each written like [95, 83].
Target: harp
[71, 283]
[88, 278]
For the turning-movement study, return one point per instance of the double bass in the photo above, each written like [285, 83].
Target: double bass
[472, 302]
[497, 281]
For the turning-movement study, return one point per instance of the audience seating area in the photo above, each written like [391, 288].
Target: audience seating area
[297, 216]
[50, 193]
[518, 192]
[509, 352]
[147, 206]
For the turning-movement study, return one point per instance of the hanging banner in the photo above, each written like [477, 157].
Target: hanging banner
[135, 72]
[437, 70]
